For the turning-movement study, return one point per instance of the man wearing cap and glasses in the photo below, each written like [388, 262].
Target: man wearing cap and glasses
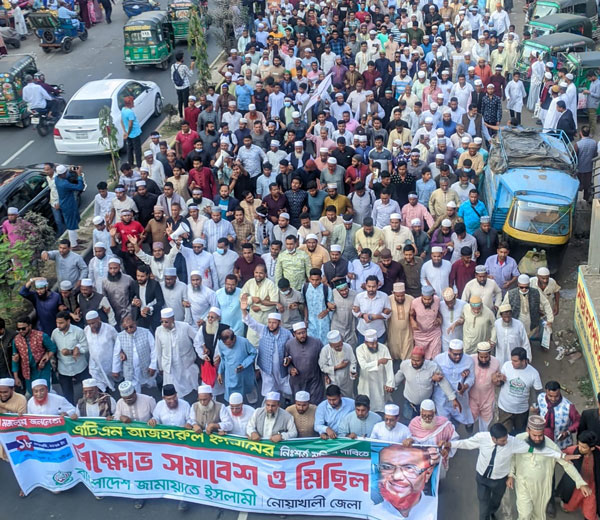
[235, 417]
[271, 422]
[133, 406]
[101, 338]
[44, 402]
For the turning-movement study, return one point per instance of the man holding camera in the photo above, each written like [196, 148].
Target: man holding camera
[68, 182]
[181, 75]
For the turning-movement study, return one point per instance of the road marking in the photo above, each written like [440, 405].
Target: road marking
[242, 516]
[107, 76]
[18, 152]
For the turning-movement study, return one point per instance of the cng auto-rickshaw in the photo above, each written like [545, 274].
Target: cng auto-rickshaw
[13, 69]
[148, 40]
[54, 32]
[179, 17]
[560, 23]
[579, 64]
[587, 8]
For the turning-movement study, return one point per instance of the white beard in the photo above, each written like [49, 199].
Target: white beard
[427, 426]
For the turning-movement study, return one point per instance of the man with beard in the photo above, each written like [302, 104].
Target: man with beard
[236, 368]
[147, 299]
[301, 358]
[338, 362]
[529, 305]
[412, 265]
[485, 288]
[343, 235]
[133, 406]
[158, 261]
[532, 474]
[271, 422]
[336, 269]
[510, 333]
[487, 239]
[343, 319]
[376, 372]
[245, 265]
[90, 300]
[145, 202]
[228, 298]
[205, 413]
[199, 260]
[293, 264]
[459, 371]
[206, 340]
[225, 259]
[44, 402]
[317, 254]
[138, 367]
[156, 228]
[303, 413]
[403, 473]
[101, 338]
[462, 271]
[429, 429]
[391, 429]
[98, 265]
[44, 301]
[175, 355]
[435, 273]
[236, 416]
[171, 411]
[478, 325]
[425, 321]
[32, 349]
[94, 402]
[442, 238]
[118, 287]
[201, 299]
[271, 341]
[369, 238]
[482, 396]
[175, 295]
[10, 402]
[451, 309]
[372, 309]
[271, 258]
[392, 271]
[363, 268]
[263, 295]
[359, 425]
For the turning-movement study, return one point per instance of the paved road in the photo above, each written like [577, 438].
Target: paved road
[101, 56]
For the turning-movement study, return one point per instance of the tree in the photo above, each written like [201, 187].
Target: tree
[197, 46]
[229, 18]
[110, 140]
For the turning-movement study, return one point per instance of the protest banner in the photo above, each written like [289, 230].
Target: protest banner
[342, 477]
[318, 93]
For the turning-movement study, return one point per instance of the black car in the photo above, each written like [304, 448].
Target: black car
[25, 188]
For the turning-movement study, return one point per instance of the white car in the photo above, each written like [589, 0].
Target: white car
[77, 132]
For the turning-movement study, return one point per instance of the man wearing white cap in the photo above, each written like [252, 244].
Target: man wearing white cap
[459, 370]
[435, 273]
[117, 287]
[548, 286]
[376, 372]
[175, 295]
[396, 236]
[235, 417]
[303, 412]
[529, 305]
[425, 320]
[483, 287]
[510, 333]
[271, 349]
[271, 422]
[482, 396]
[44, 402]
[10, 402]
[175, 353]
[158, 261]
[205, 343]
[400, 335]
[338, 362]
[201, 298]
[98, 265]
[391, 429]
[101, 338]
[198, 259]
[134, 355]
[90, 300]
[133, 406]
[205, 413]
[94, 402]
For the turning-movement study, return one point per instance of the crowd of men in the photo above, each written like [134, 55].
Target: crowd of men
[290, 262]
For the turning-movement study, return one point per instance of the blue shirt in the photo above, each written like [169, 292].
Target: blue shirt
[328, 417]
[231, 312]
[501, 273]
[243, 93]
[471, 215]
[315, 204]
[127, 115]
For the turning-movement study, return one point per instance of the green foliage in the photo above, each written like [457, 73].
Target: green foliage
[109, 139]
[197, 46]
[21, 261]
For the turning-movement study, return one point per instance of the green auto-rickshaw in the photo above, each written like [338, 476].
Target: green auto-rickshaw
[579, 64]
[560, 23]
[179, 17]
[148, 40]
[13, 69]
[587, 8]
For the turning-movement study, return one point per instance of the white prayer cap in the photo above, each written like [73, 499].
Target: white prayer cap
[236, 398]
[302, 396]
[399, 287]
[569, 76]
[549, 64]
[523, 279]
[295, 114]
[148, 153]
[421, 74]
[415, 222]
[170, 271]
[484, 346]
[167, 312]
[86, 282]
[231, 103]
[548, 75]
[97, 220]
[12, 211]
[477, 140]
[428, 291]
[439, 132]
[543, 271]
[505, 307]
[114, 260]
[451, 204]
[446, 222]
[331, 185]
[298, 326]
[480, 269]
[439, 156]
[395, 216]
[332, 160]
[335, 248]
[370, 335]
[251, 106]
[312, 236]
[195, 272]
[89, 383]
[273, 396]
[275, 142]
[333, 336]
[429, 119]
[436, 249]
[215, 310]
[455, 344]
[563, 84]
[391, 409]
[428, 405]
[465, 139]
[91, 315]
[140, 183]
[205, 389]
[39, 382]
[41, 283]
[285, 215]
[274, 316]
[61, 169]
[198, 241]
[433, 105]
[362, 138]
[323, 149]
[7, 381]
[126, 388]
[65, 285]
[478, 81]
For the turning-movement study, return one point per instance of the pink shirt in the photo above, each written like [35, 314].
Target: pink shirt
[419, 211]
[10, 230]
[483, 393]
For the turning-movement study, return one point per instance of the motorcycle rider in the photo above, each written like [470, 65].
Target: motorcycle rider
[36, 96]
[54, 90]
